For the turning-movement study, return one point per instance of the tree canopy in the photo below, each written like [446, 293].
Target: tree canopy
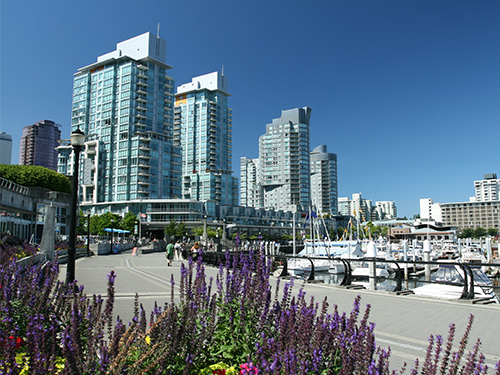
[36, 176]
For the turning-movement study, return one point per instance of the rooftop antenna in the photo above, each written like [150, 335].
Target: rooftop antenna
[158, 40]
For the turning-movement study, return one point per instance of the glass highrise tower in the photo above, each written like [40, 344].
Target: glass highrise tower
[324, 181]
[203, 129]
[284, 161]
[124, 104]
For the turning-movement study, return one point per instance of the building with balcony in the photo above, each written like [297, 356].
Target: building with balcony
[284, 158]
[250, 183]
[324, 181]
[203, 130]
[488, 188]
[5, 148]
[384, 210]
[38, 144]
[124, 104]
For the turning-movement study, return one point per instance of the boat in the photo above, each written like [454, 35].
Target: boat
[448, 283]
[322, 254]
[361, 275]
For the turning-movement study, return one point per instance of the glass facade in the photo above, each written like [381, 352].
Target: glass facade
[203, 129]
[125, 106]
[284, 161]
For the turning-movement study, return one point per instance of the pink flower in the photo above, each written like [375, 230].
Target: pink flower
[248, 369]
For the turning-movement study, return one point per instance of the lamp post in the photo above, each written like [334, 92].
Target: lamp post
[205, 235]
[88, 233]
[112, 233]
[77, 141]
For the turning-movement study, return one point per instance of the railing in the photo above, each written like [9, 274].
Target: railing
[401, 274]
[346, 279]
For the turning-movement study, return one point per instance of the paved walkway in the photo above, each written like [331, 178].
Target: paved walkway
[403, 323]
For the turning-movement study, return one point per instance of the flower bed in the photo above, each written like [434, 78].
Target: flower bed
[233, 324]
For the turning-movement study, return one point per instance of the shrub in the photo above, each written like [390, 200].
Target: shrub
[233, 324]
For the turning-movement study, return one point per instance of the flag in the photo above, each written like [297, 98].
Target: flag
[144, 215]
[313, 214]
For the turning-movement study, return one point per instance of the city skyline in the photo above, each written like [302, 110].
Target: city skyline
[406, 94]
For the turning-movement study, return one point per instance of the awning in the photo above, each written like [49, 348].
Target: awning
[115, 230]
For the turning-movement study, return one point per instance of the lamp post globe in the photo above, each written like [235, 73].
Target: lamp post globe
[77, 141]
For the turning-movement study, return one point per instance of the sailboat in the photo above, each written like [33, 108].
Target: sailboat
[322, 253]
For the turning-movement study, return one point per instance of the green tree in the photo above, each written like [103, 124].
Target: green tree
[36, 176]
[466, 233]
[480, 232]
[108, 220]
[129, 221]
[171, 229]
[182, 229]
[492, 232]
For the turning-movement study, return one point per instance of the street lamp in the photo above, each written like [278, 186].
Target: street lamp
[112, 233]
[224, 237]
[205, 235]
[88, 233]
[77, 141]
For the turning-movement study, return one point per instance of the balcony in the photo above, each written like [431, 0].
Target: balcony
[141, 99]
[141, 74]
[144, 164]
[144, 146]
[144, 155]
[143, 181]
[139, 107]
[142, 67]
[142, 82]
[140, 116]
[140, 90]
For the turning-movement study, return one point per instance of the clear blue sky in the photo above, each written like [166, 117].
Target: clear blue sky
[406, 93]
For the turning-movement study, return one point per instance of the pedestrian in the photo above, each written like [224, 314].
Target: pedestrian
[194, 250]
[177, 249]
[170, 252]
[184, 251]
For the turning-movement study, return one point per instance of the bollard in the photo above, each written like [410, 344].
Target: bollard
[405, 258]
[371, 252]
[427, 257]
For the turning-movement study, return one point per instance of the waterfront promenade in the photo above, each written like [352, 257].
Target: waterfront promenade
[403, 323]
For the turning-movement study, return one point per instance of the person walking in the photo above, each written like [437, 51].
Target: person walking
[194, 250]
[177, 249]
[170, 252]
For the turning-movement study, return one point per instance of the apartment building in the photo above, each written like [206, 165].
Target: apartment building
[203, 130]
[38, 144]
[124, 104]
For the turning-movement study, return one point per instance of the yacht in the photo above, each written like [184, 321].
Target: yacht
[448, 283]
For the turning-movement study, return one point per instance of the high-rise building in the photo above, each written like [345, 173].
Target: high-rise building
[250, 183]
[487, 189]
[38, 144]
[285, 162]
[5, 148]
[384, 210]
[324, 180]
[203, 129]
[124, 104]
[358, 207]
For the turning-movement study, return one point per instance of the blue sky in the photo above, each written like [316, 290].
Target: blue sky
[406, 93]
